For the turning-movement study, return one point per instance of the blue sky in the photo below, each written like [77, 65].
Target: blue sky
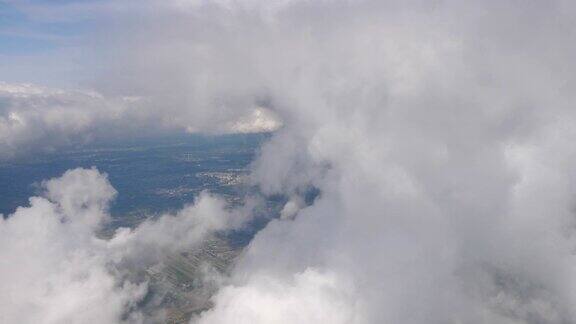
[22, 34]
[40, 39]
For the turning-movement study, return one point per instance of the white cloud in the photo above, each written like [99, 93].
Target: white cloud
[310, 297]
[34, 118]
[403, 115]
[55, 269]
[439, 134]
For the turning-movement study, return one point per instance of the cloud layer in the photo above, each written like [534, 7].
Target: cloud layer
[39, 119]
[439, 135]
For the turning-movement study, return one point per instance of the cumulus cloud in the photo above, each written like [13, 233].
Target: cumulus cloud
[35, 118]
[41, 119]
[268, 300]
[439, 135]
[55, 268]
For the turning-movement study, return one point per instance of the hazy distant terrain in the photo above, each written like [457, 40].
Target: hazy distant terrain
[153, 177]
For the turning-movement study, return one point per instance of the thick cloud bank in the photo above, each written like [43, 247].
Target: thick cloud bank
[40, 119]
[54, 268]
[439, 134]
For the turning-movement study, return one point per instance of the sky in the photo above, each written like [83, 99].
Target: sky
[37, 46]
[439, 135]
[57, 60]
